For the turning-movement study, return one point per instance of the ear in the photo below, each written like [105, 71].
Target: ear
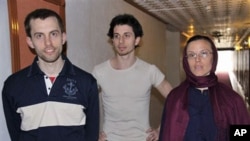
[64, 38]
[29, 42]
[137, 40]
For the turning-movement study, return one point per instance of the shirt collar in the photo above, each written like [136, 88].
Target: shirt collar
[68, 68]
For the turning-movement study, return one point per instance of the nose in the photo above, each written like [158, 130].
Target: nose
[198, 57]
[48, 41]
[121, 39]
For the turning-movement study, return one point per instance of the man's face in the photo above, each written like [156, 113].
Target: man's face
[124, 40]
[46, 39]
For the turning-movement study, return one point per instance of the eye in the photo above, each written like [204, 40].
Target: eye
[54, 34]
[116, 36]
[38, 36]
[127, 35]
[191, 55]
[204, 53]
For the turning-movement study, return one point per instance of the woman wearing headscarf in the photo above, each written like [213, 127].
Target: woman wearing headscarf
[201, 108]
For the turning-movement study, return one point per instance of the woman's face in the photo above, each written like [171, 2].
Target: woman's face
[200, 57]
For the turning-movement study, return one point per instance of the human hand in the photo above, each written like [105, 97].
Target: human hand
[153, 134]
[102, 136]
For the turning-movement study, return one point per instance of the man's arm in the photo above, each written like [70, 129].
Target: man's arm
[92, 113]
[13, 119]
[164, 88]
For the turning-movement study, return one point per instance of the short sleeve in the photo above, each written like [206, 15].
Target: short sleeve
[156, 76]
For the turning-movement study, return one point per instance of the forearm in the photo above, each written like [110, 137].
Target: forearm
[13, 119]
[93, 116]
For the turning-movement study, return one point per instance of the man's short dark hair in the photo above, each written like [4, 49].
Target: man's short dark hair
[41, 14]
[125, 19]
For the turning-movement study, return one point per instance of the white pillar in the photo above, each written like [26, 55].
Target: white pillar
[5, 62]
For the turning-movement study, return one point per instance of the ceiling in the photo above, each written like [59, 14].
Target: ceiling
[226, 21]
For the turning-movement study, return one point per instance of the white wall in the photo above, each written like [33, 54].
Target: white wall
[225, 61]
[174, 59]
[5, 62]
[87, 22]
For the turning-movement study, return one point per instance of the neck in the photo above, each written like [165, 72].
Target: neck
[122, 62]
[51, 69]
